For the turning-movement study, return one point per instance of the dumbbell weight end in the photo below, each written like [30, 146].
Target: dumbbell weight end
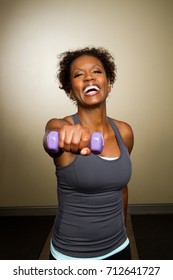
[96, 143]
[52, 141]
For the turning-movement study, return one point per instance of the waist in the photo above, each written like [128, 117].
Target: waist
[59, 256]
[90, 235]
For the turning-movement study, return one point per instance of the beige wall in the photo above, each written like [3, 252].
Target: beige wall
[32, 32]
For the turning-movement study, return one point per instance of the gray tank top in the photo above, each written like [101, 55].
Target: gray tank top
[90, 217]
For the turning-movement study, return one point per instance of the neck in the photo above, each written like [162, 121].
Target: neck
[95, 119]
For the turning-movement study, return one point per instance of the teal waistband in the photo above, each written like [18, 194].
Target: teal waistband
[59, 256]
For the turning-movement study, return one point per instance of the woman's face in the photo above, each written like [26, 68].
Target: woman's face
[89, 83]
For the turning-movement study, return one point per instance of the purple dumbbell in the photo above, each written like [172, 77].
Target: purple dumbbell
[96, 142]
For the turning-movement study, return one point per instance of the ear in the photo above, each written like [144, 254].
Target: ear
[109, 85]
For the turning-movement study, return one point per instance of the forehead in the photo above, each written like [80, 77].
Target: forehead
[84, 61]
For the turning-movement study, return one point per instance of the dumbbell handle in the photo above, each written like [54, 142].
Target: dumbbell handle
[96, 142]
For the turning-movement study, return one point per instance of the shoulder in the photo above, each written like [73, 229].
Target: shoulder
[126, 133]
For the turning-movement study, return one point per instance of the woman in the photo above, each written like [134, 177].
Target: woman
[92, 189]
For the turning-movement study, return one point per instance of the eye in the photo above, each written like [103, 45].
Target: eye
[97, 71]
[77, 75]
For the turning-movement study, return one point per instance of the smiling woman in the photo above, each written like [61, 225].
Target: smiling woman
[88, 79]
[68, 57]
[92, 189]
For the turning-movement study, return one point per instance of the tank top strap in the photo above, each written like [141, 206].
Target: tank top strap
[115, 129]
[117, 133]
[75, 119]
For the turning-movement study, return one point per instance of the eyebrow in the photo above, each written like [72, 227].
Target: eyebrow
[81, 69]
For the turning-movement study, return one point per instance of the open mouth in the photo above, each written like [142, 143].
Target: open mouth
[91, 90]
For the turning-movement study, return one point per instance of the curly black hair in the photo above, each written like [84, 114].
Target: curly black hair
[66, 59]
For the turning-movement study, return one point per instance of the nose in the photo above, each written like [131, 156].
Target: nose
[88, 76]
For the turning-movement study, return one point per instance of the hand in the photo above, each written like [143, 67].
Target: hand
[75, 138]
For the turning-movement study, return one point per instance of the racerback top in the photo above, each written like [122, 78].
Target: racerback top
[90, 217]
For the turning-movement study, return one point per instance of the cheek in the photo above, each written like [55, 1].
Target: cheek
[107, 86]
[75, 85]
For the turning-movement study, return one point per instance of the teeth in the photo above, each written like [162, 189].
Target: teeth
[87, 89]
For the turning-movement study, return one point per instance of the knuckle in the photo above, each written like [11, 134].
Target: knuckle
[86, 135]
[78, 127]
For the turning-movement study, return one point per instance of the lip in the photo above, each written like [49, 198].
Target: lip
[91, 90]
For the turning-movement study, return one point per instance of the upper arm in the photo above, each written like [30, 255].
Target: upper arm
[56, 124]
